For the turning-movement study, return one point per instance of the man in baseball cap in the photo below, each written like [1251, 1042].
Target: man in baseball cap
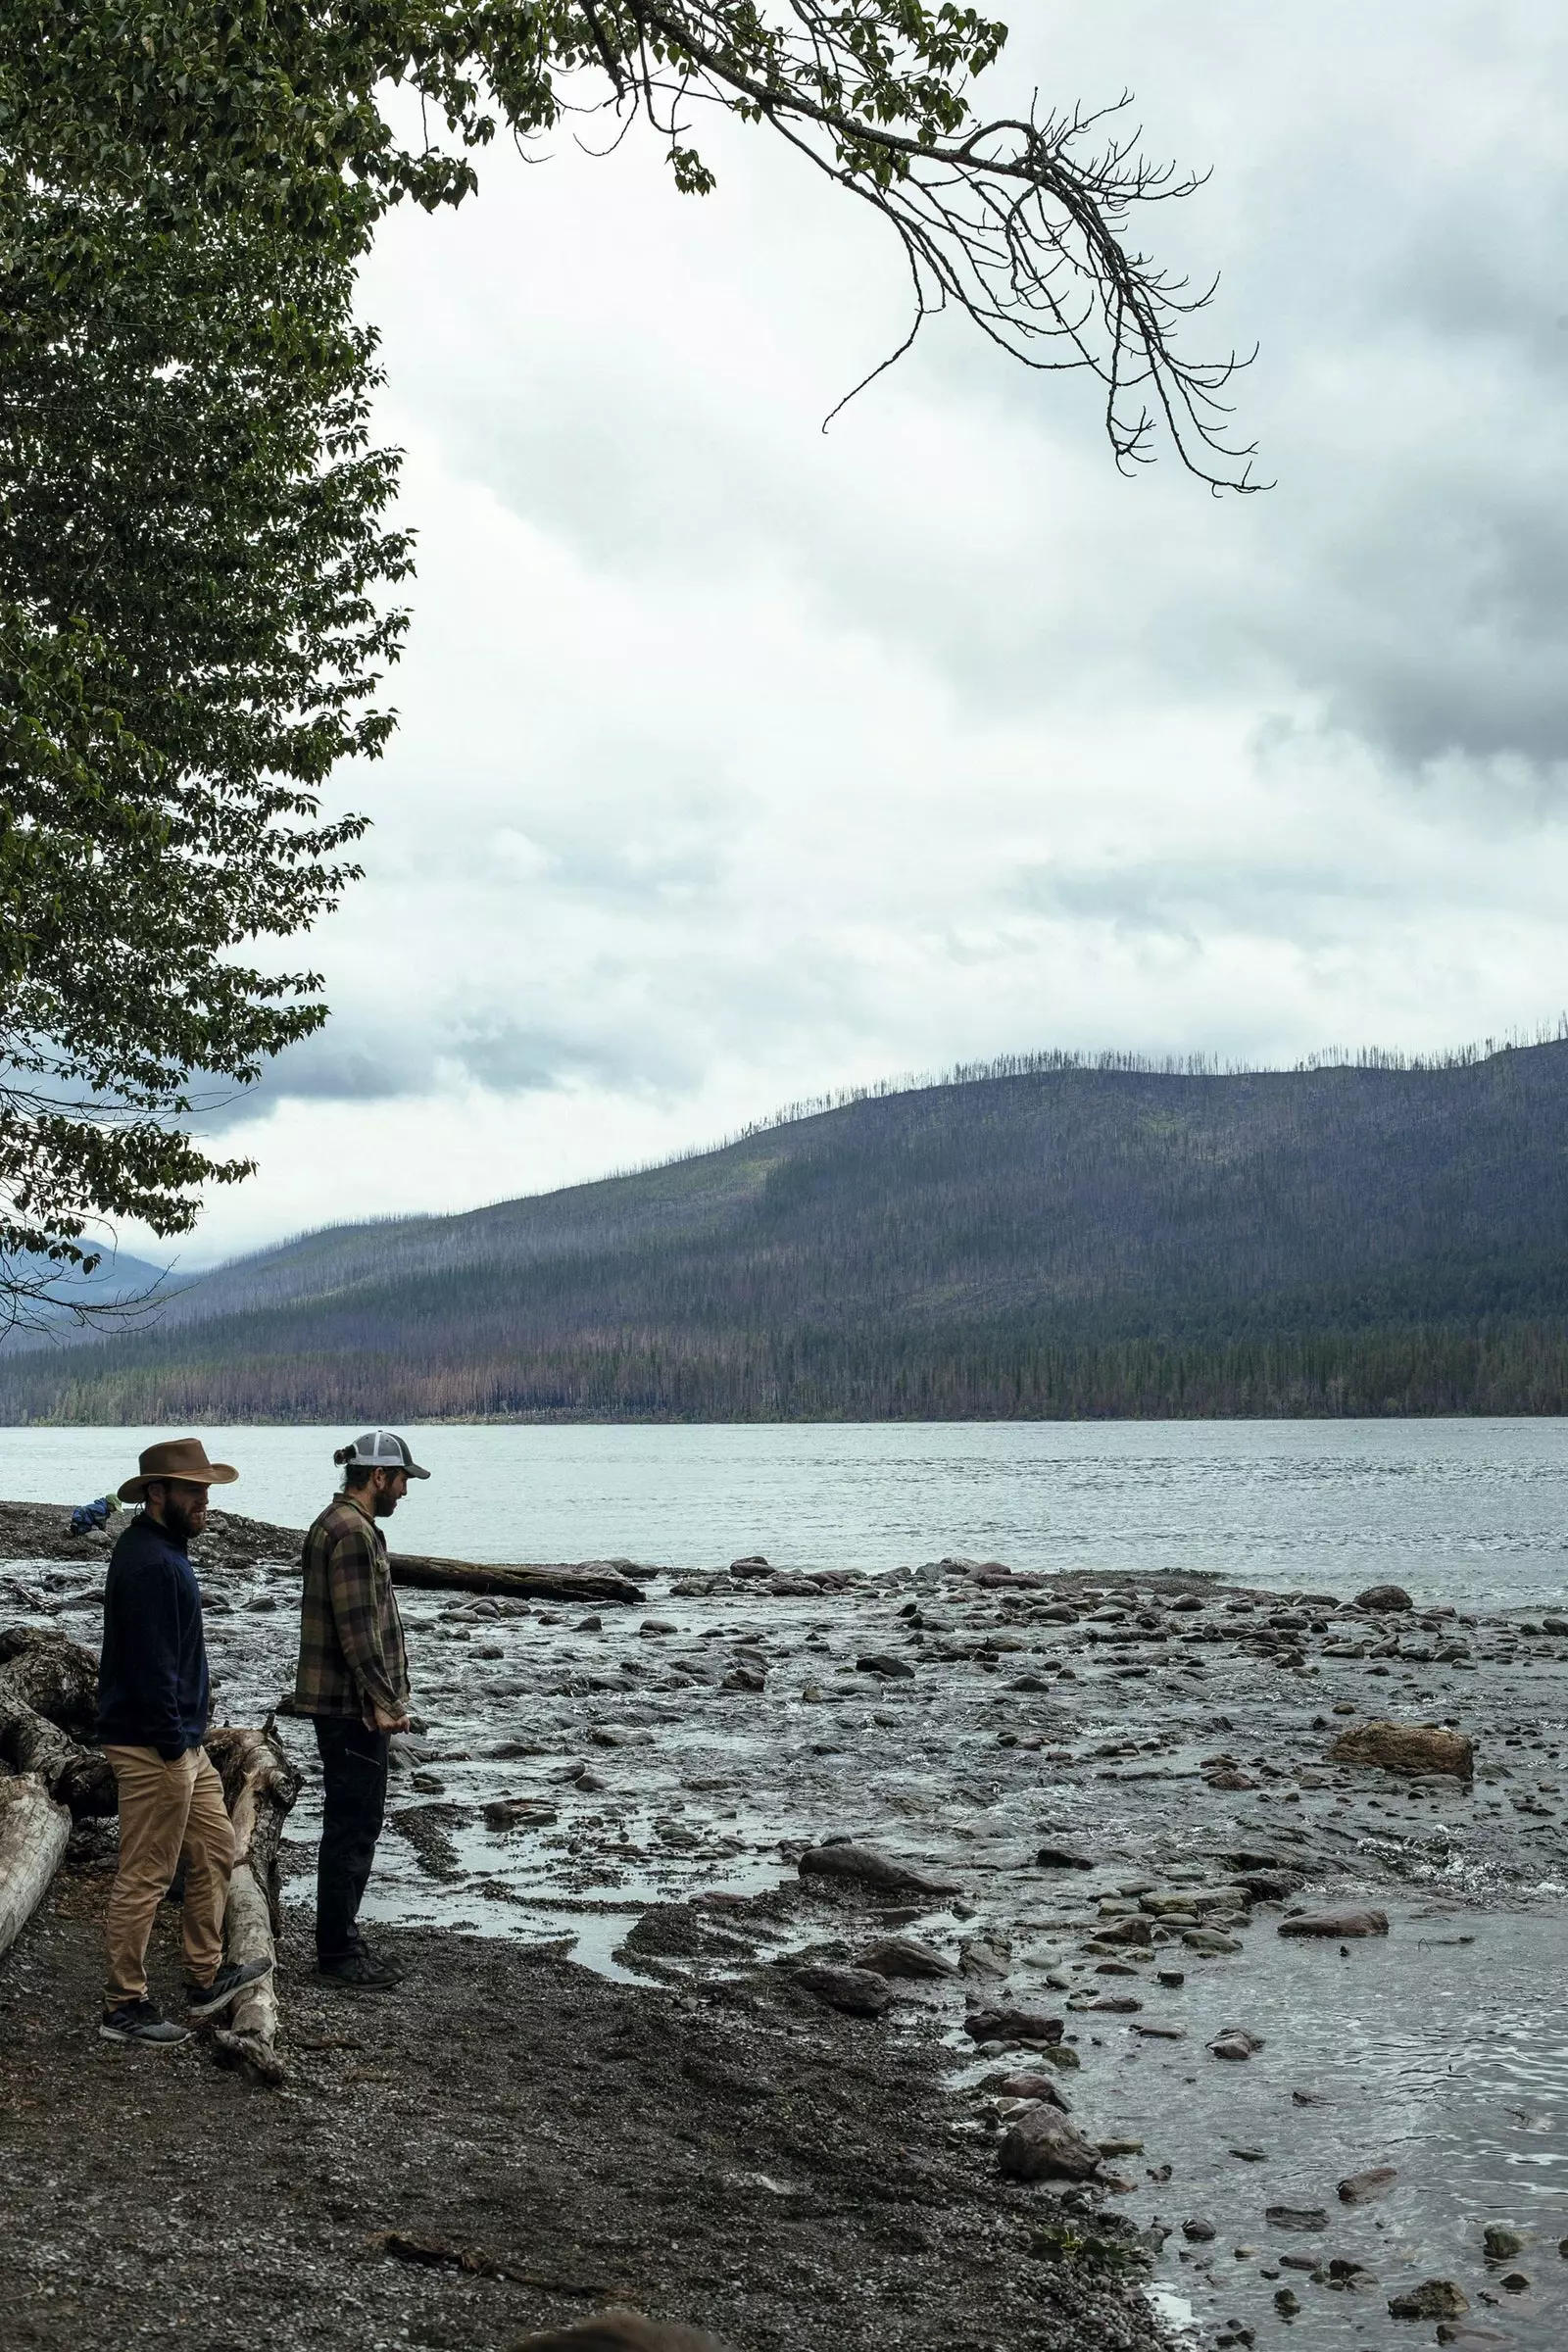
[353, 1680]
[153, 1705]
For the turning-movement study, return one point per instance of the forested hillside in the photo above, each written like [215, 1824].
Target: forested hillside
[1058, 1241]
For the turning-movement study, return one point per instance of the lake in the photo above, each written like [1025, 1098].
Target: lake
[1466, 1512]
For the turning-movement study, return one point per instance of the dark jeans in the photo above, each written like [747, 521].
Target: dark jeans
[354, 1765]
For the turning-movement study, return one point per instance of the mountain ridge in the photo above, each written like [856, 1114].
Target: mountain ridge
[1061, 1238]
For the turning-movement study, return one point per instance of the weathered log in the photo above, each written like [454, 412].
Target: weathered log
[49, 1704]
[259, 1786]
[53, 1675]
[78, 1778]
[586, 1580]
[33, 1831]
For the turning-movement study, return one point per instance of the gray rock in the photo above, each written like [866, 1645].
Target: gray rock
[890, 1669]
[985, 1955]
[1501, 2242]
[1363, 2188]
[857, 1992]
[905, 1957]
[516, 1812]
[1297, 2217]
[1024, 2085]
[1234, 2044]
[1411, 1749]
[1043, 2146]
[870, 1867]
[1382, 1598]
[1135, 1930]
[1271, 1885]
[1433, 2299]
[1012, 2025]
[1342, 1924]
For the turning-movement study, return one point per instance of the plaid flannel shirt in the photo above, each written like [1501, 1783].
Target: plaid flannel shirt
[352, 1658]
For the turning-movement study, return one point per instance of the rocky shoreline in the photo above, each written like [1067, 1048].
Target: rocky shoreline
[1100, 1814]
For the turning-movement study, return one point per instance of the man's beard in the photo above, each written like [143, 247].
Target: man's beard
[181, 1522]
[383, 1505]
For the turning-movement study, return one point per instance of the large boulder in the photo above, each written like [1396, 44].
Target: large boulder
[1360, 2188]
[1407, 1747]
[1134, 1929]
[1043, 2145]
[857, 1992]
[1012, 2025]
[1433, 2299]
[904, 1956]
[1384, 1597]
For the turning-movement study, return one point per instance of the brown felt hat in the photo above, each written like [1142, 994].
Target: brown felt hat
[176, 1457]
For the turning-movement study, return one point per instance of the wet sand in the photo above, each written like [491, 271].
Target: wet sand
[669, 1780]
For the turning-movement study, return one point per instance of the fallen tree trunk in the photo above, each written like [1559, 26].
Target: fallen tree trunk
[49, 1704]
[586, 1580]
[78, 1778]
[53, 1675]
[33, 1831]
[259, 1786]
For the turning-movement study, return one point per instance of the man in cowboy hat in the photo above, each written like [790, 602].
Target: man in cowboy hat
[152, 1718]
[354, 1679]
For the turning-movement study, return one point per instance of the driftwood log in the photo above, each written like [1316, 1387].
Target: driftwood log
[259, 1786]
[586, 1580]
[231, 1543]
[48, 1704]
[33, 1831]
[53, 1675]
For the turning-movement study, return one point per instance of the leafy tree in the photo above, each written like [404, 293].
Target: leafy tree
[278, 108]
[192, 557]
[191, 633]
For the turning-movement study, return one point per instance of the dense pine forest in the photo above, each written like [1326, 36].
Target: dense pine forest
[1060, 1240]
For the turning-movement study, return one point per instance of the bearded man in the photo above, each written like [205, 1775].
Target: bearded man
[153, 1699]
[353, 1681]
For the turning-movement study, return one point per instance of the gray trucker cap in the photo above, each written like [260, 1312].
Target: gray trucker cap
[380, 1449]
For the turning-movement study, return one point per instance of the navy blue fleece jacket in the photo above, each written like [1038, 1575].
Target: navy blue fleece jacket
[152, 1674]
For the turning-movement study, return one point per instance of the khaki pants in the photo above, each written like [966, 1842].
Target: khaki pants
[166, 1810]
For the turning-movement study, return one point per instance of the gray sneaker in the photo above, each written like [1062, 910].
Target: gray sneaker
[139, 2021]
[202, 2001]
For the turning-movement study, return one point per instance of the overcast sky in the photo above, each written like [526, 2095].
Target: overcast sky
[738, 762]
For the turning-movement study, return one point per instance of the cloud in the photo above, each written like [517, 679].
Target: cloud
[738, 762]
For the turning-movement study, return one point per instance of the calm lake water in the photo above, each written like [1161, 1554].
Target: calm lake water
[1462, 1511]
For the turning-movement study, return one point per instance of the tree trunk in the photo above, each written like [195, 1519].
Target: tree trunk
[260, 1784]
[33, 1831]
[587, 1580]
[48, 1705]
[53, 1675]
[80, 1778]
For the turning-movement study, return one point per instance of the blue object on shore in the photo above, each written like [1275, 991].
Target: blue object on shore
[88, 1515]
